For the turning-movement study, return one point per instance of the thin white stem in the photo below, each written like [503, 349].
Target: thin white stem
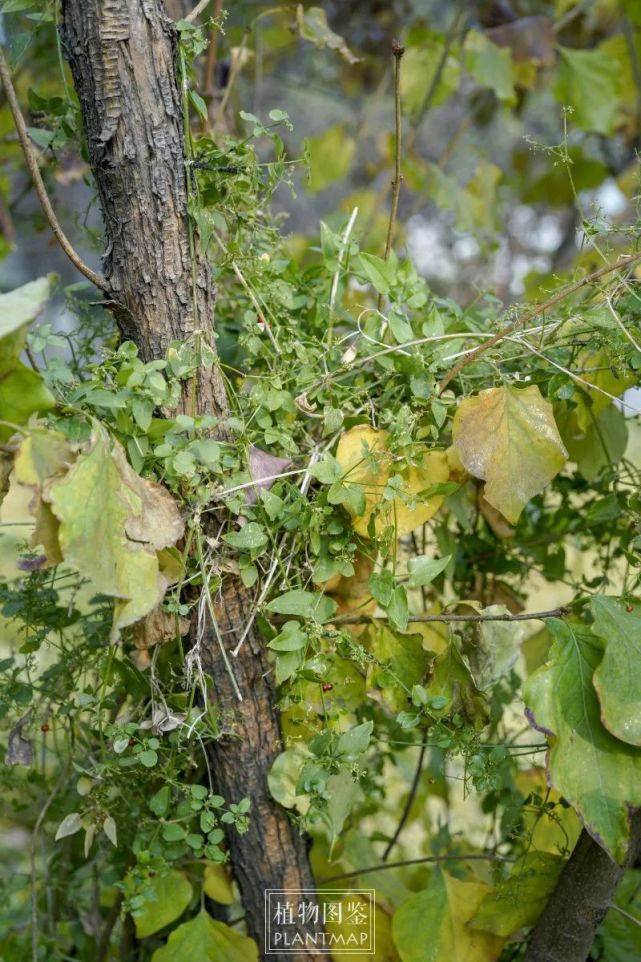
[622, 326]
[575, 377]
[341, 257]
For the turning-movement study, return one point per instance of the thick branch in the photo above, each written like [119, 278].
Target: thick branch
[581, 900]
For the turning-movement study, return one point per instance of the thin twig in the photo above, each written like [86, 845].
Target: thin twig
[341, 259]
[38, 182]
[198, 9]
[626, 915]
[627, 261]
[408, 804]
[236, 64]
[32, 854]
[397, 51]
[414, 861]
[212, 52]
[446, 618]
[620, 323]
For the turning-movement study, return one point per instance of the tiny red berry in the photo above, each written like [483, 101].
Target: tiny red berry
[44, 727]
[629, 608]
[327, 686]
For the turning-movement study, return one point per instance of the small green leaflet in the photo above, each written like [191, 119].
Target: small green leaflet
[305, 604]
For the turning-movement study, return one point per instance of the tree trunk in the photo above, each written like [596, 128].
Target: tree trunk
[122, 57]
[584, 893]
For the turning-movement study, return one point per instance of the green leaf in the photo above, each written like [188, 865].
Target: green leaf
[517, 902]
[598, 774]
[167, 896]
[283, 778]
[617, 679]
[331, 155]
[291, 638]
[401, 662]
[159, 803]
[199, 105]
[70, 824]
[148, 758]
[495, 648]
[381, 274]
[313, 26]
[491, 66]
[306, 604]
[343, 792]
[355, 741]
[251, 537]
[588, 82]
[173, 832]
[431, 925]
[217, 883]
[142, 409]
[603, 443]
[326, 471]
[18, 309]
[381, 585]
[397, 609]
[112, 523]
[418, 72]
[423, 570]
[22, 393]
[508, 437]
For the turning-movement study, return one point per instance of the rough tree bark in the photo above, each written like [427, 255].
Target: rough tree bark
[122, 58]
[584, 893]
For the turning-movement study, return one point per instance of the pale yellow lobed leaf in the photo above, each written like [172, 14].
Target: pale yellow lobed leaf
[508, 437]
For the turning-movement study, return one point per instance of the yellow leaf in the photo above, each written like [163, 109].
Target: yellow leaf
[346, 934]
[431, 925]
[217, 883]
[42, 455]
[509, 438]
[362, 454]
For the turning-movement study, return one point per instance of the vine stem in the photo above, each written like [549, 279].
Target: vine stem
[38, 182]
[415, 861]
[397, 51]
[446, 618]
[408, 804]
[626, 261]
[32, 858]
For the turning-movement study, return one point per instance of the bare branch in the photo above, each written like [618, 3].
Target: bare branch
[38, 182]
[627, 261]
[368, 869]
[446, 618]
